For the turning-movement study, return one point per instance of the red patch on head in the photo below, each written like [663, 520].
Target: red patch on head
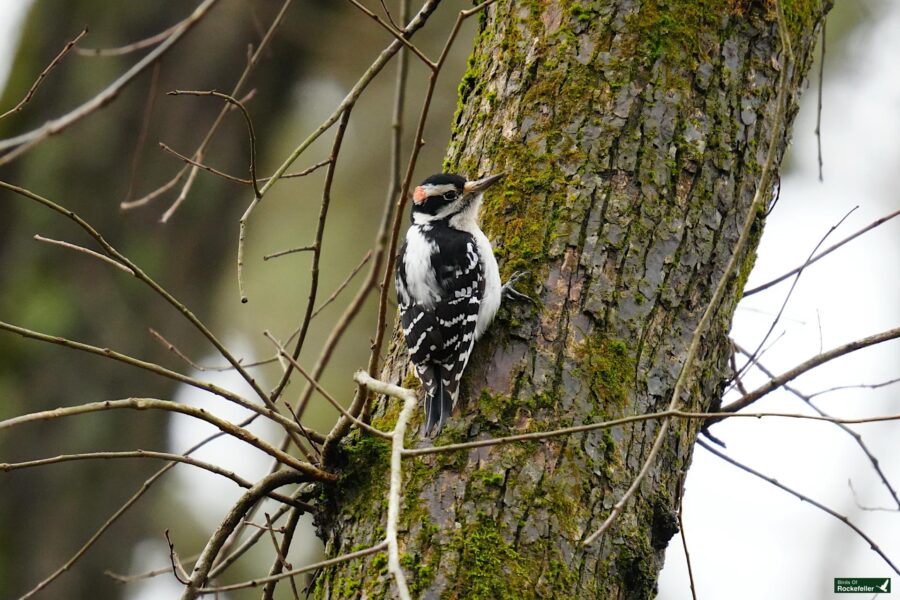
[419, 195]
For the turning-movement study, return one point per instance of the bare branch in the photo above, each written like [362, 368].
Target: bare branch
[250, 131]
[343, 285]
[317, 252]
[662, 415]
[822, 254]
[201, 570]
[40, 78]
[871, 543]
[20, 144]
[129, 204]
[815, 361]
[177, 570]
[319, 565]
[228, 427]
[687, 554]
[390, 529]
[282, 352]
[178, 458]
[290, 251]
[399, 35]
[96, 255]
[153, 368]
[132, 47]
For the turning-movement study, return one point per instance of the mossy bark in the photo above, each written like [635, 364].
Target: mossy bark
[633, 136]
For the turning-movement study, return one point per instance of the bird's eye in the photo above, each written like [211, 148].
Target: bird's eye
[450, 196]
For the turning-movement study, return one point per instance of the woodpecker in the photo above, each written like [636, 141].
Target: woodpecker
[448, 286]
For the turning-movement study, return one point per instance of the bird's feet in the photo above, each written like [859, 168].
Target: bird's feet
[508, 291]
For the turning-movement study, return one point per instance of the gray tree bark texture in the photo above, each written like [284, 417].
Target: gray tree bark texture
[633, 136]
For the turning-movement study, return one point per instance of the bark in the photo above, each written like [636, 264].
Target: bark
[633, 136]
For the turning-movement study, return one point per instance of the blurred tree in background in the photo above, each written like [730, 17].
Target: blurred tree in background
[579, 105]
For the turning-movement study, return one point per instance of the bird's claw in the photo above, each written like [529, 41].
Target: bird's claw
[508, 291]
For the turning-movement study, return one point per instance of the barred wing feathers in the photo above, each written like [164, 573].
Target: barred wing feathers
[440, 333]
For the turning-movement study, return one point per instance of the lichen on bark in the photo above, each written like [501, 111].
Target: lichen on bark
[632, 135]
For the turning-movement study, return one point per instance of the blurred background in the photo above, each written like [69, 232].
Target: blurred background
[746, 538]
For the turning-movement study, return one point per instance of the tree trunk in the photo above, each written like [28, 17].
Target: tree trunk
[633, 136]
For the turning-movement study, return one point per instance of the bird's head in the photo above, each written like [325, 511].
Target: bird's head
[444, 195]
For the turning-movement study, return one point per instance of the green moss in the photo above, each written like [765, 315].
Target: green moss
[636, 563]
[420, 573]
[489, 478]
[489, 567]
[608, 367]
[364, 475]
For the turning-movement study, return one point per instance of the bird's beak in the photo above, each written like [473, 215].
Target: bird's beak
[479, 185]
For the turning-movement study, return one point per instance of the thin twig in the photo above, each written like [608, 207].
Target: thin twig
[390, 529]
[142, 134]
[153, 368]
[737, 251]
[856, 386]
[822, 254]
[290, 251]
[132, 47]
[855, 435]
[813, 362]
[804, 498]
[282, 352]
[146, 199]
[755, 354]
[200, 165]
[228, 427]
[343, 285]
[91, 253]
[279, 565]
[168, 456]
[250, 131]
[399, 35]
[235, 92]
[40, 78]
[20, 144]
[174, 350]
[662, 415]
[177, 569]
[862, 507]
[319, 565]
[687, 555]
[819, 102]
[317, 253]
[200, 573]
[387, 13]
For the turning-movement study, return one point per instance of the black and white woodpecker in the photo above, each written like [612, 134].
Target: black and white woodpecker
[448, 286]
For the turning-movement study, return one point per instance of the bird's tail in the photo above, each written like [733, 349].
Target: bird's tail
[438, 400]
